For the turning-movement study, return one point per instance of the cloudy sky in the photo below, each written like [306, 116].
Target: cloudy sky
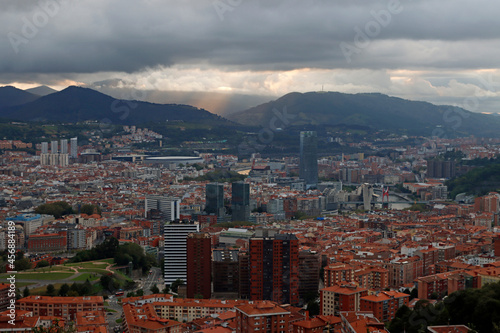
[445, 52]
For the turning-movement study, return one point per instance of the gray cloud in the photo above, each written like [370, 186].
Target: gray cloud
[128, 35]
[425, 49]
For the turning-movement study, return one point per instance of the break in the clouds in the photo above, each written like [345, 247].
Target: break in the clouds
[441, 51]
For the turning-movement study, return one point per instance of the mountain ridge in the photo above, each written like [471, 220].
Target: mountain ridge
[41, 90]
[76, 104]
[376, 110]
[12, 96]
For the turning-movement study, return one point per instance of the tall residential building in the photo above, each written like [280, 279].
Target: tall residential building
[175, 249]
[225, 272]
[45, 147]
[308, 167]
[74, 147]
[54, 149]
[384, 305]
[77, 239]
[170, 207]
[54, 159]
[199, 265]
[214, 199]
[440, 169]
[64, 146]
[240, 201]
[274, 269]
[341, 298]
[309, 266]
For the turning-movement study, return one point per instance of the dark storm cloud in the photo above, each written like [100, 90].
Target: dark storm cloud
[90, 36]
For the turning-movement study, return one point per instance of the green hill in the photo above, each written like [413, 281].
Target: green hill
[478, 181]
[377, 111]
[10, 96]
[76, 104]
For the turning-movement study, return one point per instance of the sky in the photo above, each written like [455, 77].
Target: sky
[444, 52]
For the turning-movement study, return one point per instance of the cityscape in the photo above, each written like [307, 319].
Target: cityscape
[241, 166]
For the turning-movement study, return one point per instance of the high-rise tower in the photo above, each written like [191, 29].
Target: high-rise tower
[74, 147]
[274, 269]
[199, 265]
[175, 250]
[308, 167]
[240, 201]
[214, 200]
[64, 146]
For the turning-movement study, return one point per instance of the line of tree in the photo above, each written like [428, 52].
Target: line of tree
[56, 209]
[479, 309]
[478, 181]
[105, 250]
[90, 209]
[122, 254]
[21, 262]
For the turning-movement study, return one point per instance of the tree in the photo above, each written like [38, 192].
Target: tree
[155, 290]
[73, 293]
[129, 285]
[22, 264]
[86, 288]
[90, 209]
[175, 285]
[43, 263]
[63, 291]
[26, 292]
[106, 281]
[413, 293]
[51, 290]
[140, 293]
[299, 215]
[57, 209]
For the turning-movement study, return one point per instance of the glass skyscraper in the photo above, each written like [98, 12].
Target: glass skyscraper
[240, 201]
[214, 200]
[308, 167]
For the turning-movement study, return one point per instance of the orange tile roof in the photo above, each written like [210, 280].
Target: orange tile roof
[261, 308]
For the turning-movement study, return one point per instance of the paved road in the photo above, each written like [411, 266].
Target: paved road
[154, 278]
[111, 317]
[145, 283]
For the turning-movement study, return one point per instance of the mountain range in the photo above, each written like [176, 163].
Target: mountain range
[11, 96]
[41, 90]
[299, 110]
[76, 104]
[372, 110]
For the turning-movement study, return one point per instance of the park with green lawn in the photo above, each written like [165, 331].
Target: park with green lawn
[89, 272]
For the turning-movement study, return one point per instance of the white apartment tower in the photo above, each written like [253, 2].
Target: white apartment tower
[64, 146]
[45, 147]
[175, 250]
[74, 147]
[54, 147]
